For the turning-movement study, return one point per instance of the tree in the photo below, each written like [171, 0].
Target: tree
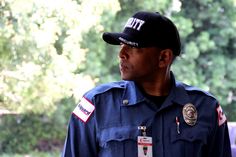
[209, 49]
[40, 51]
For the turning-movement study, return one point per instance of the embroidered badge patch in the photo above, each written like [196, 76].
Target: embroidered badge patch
[84, 109]
[221, 116]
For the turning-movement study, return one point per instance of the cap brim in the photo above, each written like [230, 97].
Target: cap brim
[114, 38]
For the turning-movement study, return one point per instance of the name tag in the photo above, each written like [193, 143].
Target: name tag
[144, 146]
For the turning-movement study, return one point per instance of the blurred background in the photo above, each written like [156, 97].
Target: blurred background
[51, 52]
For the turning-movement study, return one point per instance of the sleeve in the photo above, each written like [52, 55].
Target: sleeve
[220, 143]
[81, 136]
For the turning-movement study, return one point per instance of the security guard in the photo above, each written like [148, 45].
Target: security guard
[149, 113]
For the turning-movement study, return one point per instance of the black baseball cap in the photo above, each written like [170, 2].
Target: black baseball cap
[147, 29]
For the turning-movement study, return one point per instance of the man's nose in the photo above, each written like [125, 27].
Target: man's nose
[123, 52]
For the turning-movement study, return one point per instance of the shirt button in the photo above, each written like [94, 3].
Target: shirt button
[125, 102]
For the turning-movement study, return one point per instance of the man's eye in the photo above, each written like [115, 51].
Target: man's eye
[127, 46]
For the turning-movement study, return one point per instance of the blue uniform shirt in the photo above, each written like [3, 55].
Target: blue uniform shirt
[105, 123]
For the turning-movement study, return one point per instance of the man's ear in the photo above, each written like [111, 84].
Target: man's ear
[165, 58]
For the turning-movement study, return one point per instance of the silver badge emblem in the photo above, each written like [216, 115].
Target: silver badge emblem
[190, 114]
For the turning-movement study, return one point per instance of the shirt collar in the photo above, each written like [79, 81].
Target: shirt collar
[178, 94]
[132, 94]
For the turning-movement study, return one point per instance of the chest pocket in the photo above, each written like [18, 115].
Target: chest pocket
[191, 141]
[118, 141]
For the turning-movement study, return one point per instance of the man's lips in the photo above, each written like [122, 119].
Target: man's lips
[123, 66]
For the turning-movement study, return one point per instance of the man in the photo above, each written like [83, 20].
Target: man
[148, 114]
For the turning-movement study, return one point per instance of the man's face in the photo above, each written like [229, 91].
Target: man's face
[138, 64]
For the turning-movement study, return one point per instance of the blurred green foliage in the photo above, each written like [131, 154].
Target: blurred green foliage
[23, 133]
[34, 154]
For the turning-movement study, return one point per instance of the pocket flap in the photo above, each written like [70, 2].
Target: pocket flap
[118, 134]
[190, 135]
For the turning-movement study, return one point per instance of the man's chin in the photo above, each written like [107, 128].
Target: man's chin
[126, 78]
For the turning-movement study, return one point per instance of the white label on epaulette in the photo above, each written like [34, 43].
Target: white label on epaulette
[221, 116]
[84, 109]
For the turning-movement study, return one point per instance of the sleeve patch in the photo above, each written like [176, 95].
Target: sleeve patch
[221, 116]
[84, 109]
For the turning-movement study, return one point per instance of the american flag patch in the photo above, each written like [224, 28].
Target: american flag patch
[84, 109]
[221, 116]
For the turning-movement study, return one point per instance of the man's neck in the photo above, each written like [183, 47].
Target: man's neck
[158, 87]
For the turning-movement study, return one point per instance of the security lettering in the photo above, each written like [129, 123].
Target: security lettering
[84, 109]
[128, 42]
[134, 23]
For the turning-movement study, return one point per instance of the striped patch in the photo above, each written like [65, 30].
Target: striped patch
[221, 116]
